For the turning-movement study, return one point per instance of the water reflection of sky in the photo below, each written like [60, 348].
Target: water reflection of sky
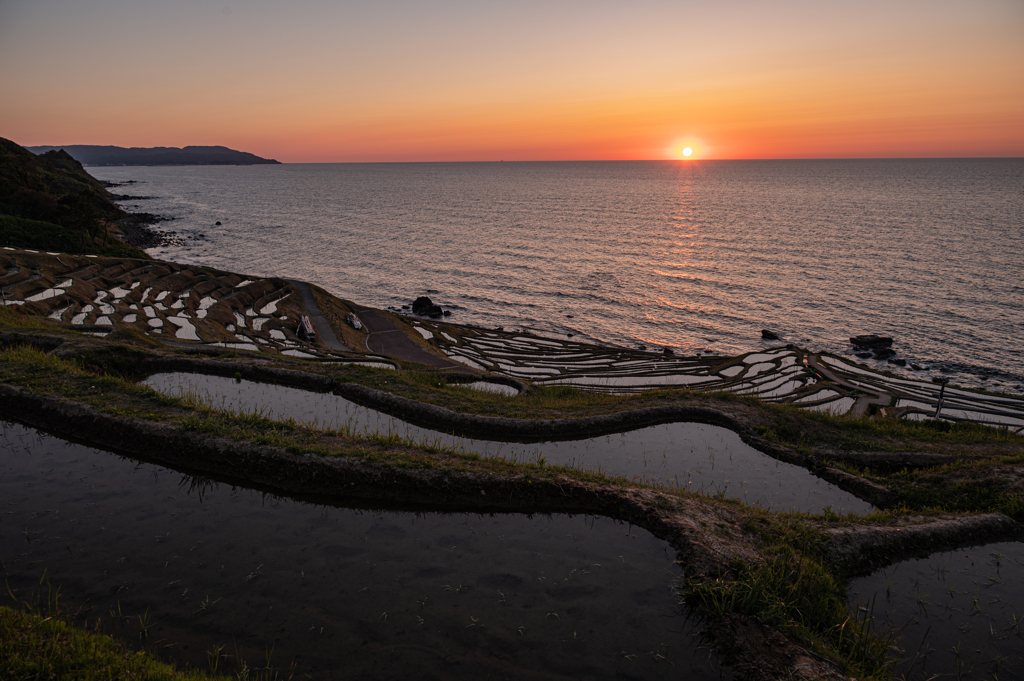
[958, 614]
[376, 593]
[693, 456]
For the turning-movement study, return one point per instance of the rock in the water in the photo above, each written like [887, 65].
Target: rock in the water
[864, 355]
[667, 352]
[884, 353]
[425, 307]
[769, 335]
[898, 362]
[871, 341]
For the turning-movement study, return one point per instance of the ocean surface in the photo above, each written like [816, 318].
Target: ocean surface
[697, 256]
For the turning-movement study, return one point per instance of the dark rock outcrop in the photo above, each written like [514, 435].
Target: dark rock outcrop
[769, 335]
[425, 307]
[871, 341]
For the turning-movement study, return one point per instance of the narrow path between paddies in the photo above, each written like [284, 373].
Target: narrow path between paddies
[860, 407]
[385, 338]
[323, 329]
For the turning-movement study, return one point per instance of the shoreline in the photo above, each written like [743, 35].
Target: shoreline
[137, 231]
[989, 365]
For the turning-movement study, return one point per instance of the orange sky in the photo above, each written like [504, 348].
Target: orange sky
[319, 81]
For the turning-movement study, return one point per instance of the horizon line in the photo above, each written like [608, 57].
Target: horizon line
[686, 160]
[582, 160]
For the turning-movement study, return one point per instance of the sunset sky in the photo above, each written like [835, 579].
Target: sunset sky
[333, 81]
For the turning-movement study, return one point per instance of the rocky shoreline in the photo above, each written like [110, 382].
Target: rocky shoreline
[137, 230]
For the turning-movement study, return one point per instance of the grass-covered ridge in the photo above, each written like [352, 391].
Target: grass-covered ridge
[49, 203]
[793, 590]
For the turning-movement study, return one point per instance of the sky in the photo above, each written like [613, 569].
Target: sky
[455, 80]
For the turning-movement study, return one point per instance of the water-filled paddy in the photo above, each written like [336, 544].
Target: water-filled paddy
[960, 613]
[359, 593]
[694, 456]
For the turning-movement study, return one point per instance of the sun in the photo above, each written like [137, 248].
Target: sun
[685, 149]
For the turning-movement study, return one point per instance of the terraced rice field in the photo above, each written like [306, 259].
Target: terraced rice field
[787, 375]
[691, 456]
[956, 614]
[167, 301]
[193, 569]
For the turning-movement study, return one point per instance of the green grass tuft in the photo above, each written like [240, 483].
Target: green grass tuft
[39, 641]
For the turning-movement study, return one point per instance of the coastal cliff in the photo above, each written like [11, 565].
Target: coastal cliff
[48, 202]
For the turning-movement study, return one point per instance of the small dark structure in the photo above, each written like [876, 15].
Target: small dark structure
[942, 393]
[305, 330]
[769, 335]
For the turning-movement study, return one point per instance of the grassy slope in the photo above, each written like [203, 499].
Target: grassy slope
[39, 641]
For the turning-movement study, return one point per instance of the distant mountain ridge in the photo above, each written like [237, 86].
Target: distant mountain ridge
[96, 155]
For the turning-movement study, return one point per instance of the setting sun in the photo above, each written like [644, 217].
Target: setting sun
[685, 149]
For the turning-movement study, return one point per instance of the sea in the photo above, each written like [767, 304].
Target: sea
[697, 256]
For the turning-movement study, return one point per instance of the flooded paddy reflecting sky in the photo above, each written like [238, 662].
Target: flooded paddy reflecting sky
[359, 593]
[694, 456]
[959, 614]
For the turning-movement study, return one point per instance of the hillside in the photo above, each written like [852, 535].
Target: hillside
[49, 202]
[94, 155]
